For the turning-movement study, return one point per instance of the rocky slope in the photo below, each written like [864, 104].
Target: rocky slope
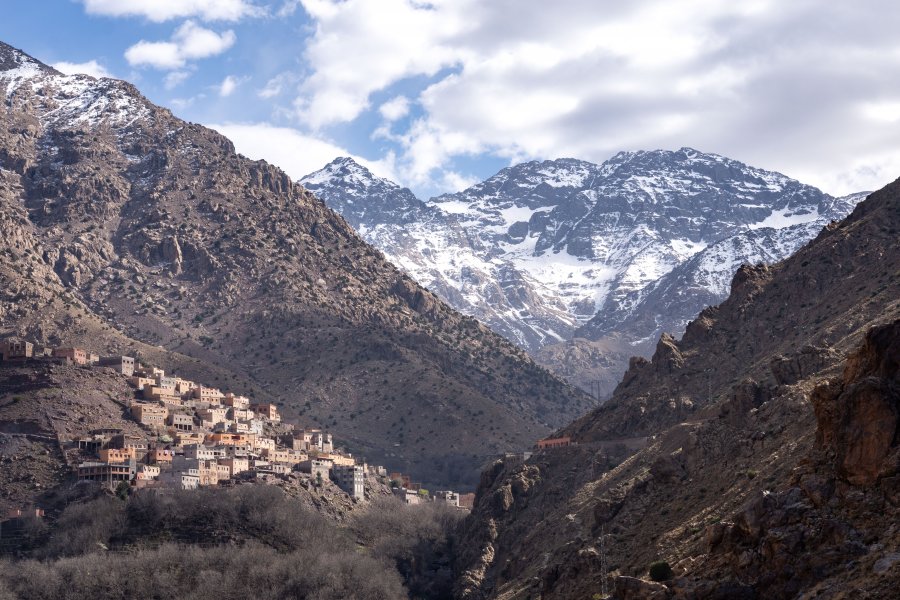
[129, 228]
[740, 454]
[614, 253]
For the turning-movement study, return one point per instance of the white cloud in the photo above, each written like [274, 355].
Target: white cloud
[767, 83]
[453, 181]
[195, 41]
[175, 78]
[183, 103]
[887, 111]
[296, 153]
[91, 67]
[165, 10]
[363, 46]
[288, 8]
[395, 108]
[228, 85]
[161, 55]
[189, 42]
[275, 85]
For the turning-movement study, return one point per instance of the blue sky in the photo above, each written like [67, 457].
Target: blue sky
[441, 94]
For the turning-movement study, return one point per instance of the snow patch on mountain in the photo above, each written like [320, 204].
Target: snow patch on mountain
[785, 217]
[77, 101]
[545, 250]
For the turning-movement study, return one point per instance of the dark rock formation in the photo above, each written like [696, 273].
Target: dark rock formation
[859, 414]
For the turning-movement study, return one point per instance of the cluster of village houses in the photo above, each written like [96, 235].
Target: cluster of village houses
[196, 435]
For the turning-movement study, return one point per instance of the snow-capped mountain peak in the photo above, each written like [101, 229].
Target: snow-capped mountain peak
[77, 101]
[16, 64]
[363, 198]
[346, 171]
[544, 249]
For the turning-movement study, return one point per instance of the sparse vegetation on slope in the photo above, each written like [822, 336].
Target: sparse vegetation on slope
[228, 543]
[133, 229]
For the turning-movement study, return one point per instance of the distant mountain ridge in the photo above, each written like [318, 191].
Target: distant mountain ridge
[547, 251]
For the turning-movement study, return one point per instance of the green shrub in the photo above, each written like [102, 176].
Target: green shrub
[660, 571]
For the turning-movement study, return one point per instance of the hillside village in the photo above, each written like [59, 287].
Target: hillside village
[194, 435]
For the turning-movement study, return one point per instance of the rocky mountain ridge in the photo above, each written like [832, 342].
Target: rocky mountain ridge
[617, 253]
[757, 455]
[139, 232]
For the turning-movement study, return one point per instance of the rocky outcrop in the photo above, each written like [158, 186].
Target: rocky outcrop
[416, 298]
[745, 397]
[859, 414]
[788, 370]
[748, 281]
[170, 251]
[503, 493]
[668, 358]
[836, 516]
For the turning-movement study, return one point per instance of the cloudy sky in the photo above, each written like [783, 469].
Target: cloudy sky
[439, 94]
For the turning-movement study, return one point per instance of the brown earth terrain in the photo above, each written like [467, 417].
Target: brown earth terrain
[129, 230]
[766, 473]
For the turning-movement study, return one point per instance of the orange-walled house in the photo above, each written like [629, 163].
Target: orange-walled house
[122, 364]
[235, 465]
[211, 394]
[185, 438]
[338, 459]
[266, 410]
[237, 402]
[224, 471]
[279, 456]
[160, 455]
[184, 386]
[264, 443]
[116, 455]
[241, 414]
[213, 415]
[181, 422]
[147, 472]
[230, 439]
[77, 355]
[141, 382]
[152, 415]
[552, 443]
[124, 440]
[150, 391]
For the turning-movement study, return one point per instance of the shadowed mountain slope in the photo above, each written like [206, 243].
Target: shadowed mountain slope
[127, 225]
[739, 454]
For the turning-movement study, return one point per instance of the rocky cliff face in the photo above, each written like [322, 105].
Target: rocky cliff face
[127, 227]
[833, 527]
[738, 454]
[616, 253]
[858, 414]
